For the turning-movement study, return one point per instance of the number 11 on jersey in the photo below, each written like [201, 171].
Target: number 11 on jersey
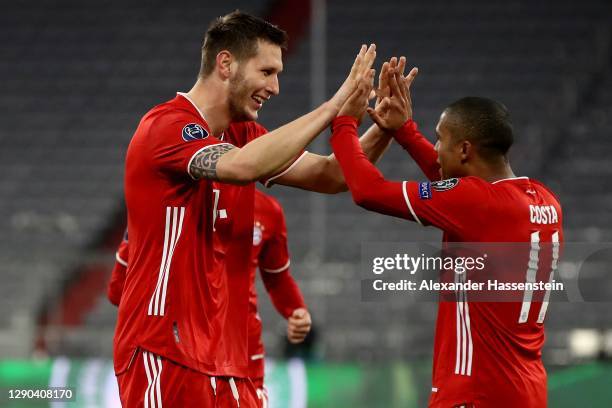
[532, 269]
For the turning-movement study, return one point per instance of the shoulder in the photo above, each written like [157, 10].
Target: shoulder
[545, 188]
[173, 117]
[268, 203]
[471, 185]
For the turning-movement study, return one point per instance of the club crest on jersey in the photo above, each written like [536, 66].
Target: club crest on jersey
[193, 131]
[257, 234]
[425, 190]
[445, 185]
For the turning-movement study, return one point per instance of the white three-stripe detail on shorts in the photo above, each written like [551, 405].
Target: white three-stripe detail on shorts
[465, 346]
[153, 368]
[172, 233]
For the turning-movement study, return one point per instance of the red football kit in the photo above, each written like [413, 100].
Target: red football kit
[486, 354]
[186, 294]
[187, 244]
[270, 254]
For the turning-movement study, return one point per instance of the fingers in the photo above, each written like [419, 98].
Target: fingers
[368, 61]
[375, 117]
[394, 85]
[393, 63]
[300, 327]
[369, 57]
[402, 88]
[356, 68]
[383, 82]
[411, 76]
[299, 324]
[402, 65]
[408, 82]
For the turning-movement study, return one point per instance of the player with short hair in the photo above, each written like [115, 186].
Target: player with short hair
[185, 300]
[486, 354]
[271, 255]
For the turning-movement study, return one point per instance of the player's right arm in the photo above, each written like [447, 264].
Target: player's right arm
[450, 205]
[270, 153]
[117, 281]
[394, 115]
[284, 292]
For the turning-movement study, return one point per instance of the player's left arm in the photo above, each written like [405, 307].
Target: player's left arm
[117, 280]
[280, 285]
[368, 186]
[322, 174]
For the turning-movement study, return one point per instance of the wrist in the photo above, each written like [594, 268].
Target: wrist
[332, 108]
[408, 128]
[344, 120]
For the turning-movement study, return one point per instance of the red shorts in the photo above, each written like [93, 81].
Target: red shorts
[262, 392]
[152, 381]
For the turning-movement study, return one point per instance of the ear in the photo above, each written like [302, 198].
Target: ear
[224, 61]
[467, 150]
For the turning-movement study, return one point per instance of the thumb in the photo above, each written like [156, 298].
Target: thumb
[298, 313]
[375, 117]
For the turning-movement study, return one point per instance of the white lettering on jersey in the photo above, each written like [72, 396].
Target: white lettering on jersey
[543, 214]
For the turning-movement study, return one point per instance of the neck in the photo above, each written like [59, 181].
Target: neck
[492, 172]
[211, 96]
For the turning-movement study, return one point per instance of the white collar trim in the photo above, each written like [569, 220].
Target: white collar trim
[184, 95]
[511, 178]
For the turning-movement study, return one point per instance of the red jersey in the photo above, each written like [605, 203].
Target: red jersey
[117, 280]
[187, 244]
[271, 255]
[485, 354]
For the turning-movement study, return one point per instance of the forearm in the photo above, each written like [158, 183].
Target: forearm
[420, 149]
[368, 186]
[283, 291]
[374, 143]
[268, 154]
[327, 177]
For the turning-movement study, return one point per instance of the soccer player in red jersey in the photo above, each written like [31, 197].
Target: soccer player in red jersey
[184, 304]
[271, 255]
[486, 354]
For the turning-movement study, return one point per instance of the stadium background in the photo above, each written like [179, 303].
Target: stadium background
[75, 78]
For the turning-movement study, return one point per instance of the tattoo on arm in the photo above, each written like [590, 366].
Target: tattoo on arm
[204, 164]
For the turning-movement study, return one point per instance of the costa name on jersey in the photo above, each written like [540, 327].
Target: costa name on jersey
[543, 214]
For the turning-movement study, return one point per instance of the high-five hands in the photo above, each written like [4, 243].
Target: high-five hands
[394, 103]
[357, 103]
[361, 67]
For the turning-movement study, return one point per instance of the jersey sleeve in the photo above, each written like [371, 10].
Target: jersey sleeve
[117, 281]
[420, 149]
[274, 267]
[176, 139]
[366, 183]
[450, 205]
[284, 292]
[453, 205]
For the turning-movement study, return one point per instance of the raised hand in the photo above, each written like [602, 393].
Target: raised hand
[394, 104]
[361, 67]
[357, 103]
